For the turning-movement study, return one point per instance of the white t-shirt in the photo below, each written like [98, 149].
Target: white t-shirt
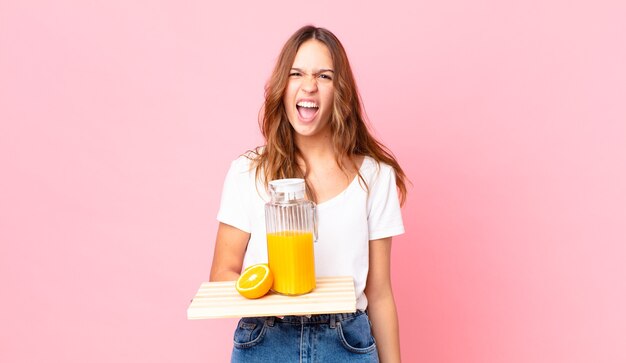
[346, 223]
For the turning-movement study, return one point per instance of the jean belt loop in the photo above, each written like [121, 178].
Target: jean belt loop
[270, 321]
[332, 321]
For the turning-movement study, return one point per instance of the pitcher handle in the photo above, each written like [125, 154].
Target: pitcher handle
[314, 222]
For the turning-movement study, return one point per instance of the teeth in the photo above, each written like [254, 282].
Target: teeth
[307, 104]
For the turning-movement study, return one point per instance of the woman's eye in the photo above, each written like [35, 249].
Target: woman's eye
[294, 74]
[326, 76]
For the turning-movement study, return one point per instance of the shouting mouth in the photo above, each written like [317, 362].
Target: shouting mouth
[307, 110]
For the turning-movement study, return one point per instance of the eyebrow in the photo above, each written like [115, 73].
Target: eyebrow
[319, 71]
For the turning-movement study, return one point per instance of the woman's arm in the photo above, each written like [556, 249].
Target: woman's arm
[381, 305]
[230, 247]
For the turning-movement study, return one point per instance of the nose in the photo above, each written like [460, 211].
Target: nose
[309, 84]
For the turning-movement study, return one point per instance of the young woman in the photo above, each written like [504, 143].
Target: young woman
[314, 129]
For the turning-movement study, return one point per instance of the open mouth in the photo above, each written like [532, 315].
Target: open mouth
[307, 110]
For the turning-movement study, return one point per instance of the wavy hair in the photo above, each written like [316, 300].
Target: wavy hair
[350, 134]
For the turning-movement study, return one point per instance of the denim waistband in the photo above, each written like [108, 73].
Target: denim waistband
[330, 319]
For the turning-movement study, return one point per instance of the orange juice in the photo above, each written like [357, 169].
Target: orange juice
[290, 257]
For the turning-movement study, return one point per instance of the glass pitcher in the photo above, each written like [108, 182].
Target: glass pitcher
[291, 229]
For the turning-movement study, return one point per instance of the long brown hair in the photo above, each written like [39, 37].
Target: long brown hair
[350, 134]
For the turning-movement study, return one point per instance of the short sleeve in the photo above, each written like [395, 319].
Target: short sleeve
[383, 205]
[233, 203]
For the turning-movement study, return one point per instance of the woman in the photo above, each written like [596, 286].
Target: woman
[314, 129]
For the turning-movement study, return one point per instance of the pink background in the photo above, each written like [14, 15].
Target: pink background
[118, 121]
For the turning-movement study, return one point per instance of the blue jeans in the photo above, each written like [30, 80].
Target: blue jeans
[319, 338]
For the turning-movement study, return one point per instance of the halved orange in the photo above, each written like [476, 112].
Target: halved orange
[255, 281]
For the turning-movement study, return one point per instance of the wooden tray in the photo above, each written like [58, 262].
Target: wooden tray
[221, 300]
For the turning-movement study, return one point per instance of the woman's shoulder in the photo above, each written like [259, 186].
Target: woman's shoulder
[246, 161]
[372, 167]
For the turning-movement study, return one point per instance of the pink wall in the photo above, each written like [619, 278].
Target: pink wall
[118, 121]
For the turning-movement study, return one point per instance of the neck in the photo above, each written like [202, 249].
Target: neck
[315, 148]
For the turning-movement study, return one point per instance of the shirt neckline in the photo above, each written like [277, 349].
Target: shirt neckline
[353, 183]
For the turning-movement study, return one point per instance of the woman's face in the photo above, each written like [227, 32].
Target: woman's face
[308, 98]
